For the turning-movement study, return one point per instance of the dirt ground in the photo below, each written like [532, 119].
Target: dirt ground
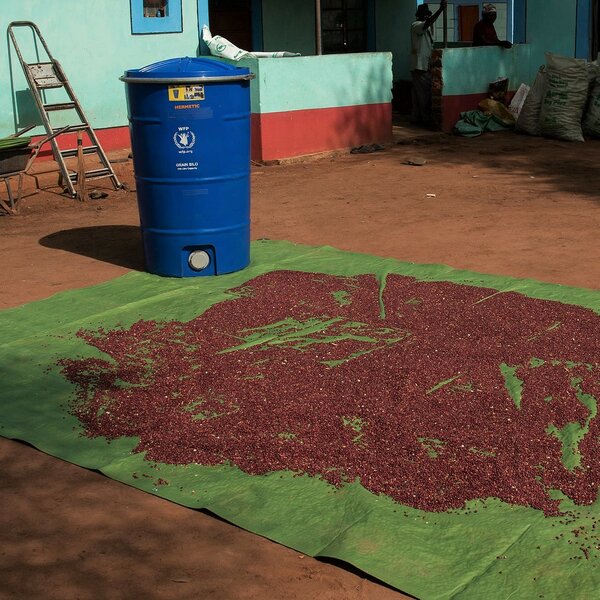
[502, 203]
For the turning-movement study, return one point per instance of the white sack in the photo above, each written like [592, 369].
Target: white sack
[223, 48]
[529, 117]
[516, 104]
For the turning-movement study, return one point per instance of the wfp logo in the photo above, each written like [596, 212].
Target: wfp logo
[184, 138]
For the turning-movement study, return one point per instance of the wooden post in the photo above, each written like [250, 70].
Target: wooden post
[445, 22]
[318, 36]
[81, 182]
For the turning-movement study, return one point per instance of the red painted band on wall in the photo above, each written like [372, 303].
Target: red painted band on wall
[452, 106]
[115, 138]
[283, 134]
[298, 132]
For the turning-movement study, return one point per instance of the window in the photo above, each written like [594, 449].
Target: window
[463, 14]
[439, 24]
[343, 26]
[156, 8]
[156, 16]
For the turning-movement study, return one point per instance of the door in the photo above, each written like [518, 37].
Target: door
[468, 16]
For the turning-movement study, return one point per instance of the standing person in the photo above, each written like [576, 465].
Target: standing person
[484, 32]
[422, 36]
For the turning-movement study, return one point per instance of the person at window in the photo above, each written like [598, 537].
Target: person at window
[484, 32]
[422, 36]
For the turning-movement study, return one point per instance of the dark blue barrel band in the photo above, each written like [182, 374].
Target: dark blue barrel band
[167, 80]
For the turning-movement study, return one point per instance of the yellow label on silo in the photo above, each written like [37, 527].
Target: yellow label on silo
[185, 93]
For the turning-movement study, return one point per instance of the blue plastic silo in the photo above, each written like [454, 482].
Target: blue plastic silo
[190, 136]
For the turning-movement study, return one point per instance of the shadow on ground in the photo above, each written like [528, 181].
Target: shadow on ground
[68, 532]
[568, 166]
[119, 245]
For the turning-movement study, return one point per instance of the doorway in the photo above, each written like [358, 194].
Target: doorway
[468, 16]
[232, 19]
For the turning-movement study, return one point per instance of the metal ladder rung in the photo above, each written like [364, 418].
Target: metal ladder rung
[59, 106]
[48, 86]
[94, 174]
[72, 128]
[73, 151]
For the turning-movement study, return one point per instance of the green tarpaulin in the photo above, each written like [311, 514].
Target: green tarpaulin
[487, 549]
[475, 122]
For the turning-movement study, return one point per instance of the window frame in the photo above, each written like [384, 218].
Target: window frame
[172, 23]
[510, 34]
[344, 30]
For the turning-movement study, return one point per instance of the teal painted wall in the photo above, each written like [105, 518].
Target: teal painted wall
[551, 26]
[289, 25]
[93, 42]
[312, 82]
[393, 19]
[470, 70]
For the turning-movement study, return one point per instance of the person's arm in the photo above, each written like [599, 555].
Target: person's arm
[434, 17]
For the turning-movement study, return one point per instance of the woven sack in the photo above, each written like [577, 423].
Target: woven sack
[529, 117]
[565, 98]
[591, 119]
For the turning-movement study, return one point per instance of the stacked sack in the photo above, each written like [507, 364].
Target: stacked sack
[591, 121]
[564, 100]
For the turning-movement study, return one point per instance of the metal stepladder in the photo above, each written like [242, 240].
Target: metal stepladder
[45, 75]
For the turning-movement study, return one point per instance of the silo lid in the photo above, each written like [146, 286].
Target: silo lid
[187, 69]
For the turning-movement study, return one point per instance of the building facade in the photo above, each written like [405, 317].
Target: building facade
[299, 105]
